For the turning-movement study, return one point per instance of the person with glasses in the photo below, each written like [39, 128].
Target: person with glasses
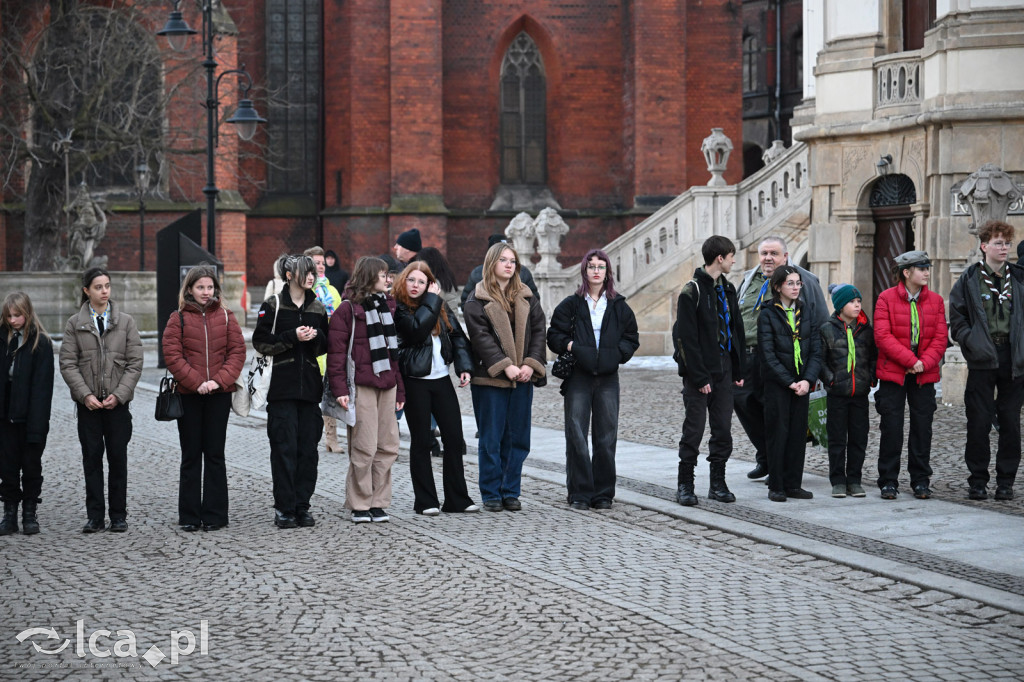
[910, 333]
[711, 340]
[506, 328]
[752, 293]
[599, 328]
[986, 319]
[789, 345]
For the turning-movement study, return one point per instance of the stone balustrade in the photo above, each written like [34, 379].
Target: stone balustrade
[898, 80]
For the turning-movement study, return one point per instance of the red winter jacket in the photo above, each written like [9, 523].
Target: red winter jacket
[212, 347]
[337, 353]
[892, 335]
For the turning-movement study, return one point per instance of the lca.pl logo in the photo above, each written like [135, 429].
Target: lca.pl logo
[98, 644]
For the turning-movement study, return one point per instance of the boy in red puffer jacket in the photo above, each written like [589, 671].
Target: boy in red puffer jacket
[911, 335]
[848, 372]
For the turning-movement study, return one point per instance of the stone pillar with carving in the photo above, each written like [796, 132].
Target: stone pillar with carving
[716, 147]
[988, 193]
[549, 228]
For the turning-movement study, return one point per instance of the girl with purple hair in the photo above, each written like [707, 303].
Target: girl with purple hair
[598, 327]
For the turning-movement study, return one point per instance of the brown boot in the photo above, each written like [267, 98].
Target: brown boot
[331, 434]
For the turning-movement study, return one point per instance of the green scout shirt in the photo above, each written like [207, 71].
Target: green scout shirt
[996, 327]
[748, 307]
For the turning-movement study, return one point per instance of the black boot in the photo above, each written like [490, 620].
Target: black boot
[29, 524]
[718, 490]
[10, 522]
[685, 495]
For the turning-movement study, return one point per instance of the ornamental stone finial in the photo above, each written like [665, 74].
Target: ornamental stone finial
[716, 147]
[520, 232]
[549, 228]
[988, 192]
[777, 149]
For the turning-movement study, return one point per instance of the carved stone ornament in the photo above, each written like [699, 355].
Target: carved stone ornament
[549, 228]
[777, 149]
[520, 233]
[988, 192]
[88, 228]
[716, 147]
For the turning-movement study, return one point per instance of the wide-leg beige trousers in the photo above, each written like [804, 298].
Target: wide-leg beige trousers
[372, 449]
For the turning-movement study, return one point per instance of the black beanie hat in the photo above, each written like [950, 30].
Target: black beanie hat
[410, 239]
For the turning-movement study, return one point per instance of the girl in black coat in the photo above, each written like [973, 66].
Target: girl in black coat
[26, 390]
[790, 352]
[599, 328]
[430, 339]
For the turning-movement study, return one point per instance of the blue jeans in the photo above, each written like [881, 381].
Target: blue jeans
[503, 415]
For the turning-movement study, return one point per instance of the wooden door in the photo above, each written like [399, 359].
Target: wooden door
[893, 235]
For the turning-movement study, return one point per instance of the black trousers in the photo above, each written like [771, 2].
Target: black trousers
[435, 397]
[697, 408]
[847, 427]
[591, 402]
[786, 441]
[890, 400]
[203, 481]
[21, 464]
[748, 401]
[993, 393]
[294, 428]
[110, 431]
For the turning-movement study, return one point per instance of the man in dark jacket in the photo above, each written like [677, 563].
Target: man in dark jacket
[710, 339]
[986, 318]
[477, 275]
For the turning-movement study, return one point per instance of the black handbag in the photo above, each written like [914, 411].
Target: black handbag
[168, 401]
[566, 362]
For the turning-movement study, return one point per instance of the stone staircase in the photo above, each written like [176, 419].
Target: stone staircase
[653, 260]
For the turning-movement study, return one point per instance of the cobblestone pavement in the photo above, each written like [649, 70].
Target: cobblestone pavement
[546, 593]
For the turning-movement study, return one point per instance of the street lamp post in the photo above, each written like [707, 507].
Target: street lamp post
[142, 174]
[245, 118]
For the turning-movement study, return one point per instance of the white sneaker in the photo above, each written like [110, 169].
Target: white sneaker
[433, 511]
[471, 508]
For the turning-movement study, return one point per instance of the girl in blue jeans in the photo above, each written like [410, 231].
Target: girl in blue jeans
[506, 327]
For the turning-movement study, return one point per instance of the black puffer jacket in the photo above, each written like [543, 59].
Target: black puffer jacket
[835, 355]
[31, 387]
[619, 335]
[415, 345]
[775, 347]
[296, 374]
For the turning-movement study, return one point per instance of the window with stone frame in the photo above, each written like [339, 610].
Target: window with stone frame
[293, 79]
[751, 59]
[523, 114]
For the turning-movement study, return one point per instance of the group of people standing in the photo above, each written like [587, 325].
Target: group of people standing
[386, 343]
[760, 351]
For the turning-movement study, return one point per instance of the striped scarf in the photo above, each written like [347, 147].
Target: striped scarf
[1000, 292]
[380, 332]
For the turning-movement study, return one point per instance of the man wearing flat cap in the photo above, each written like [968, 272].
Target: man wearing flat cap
[910, 332]
[407, 246]
[986, 318]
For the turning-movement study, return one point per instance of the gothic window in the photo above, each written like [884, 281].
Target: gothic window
[293, 77]
[523, 114]
[751, 55]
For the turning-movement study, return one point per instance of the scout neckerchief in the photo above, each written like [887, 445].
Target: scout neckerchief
[851, 352]
[793, 318]
[761, 294]
[1000, 288]
[724, 321]
[915, 322]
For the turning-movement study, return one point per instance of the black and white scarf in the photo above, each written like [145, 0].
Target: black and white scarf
[1000, 292]
[380, 332]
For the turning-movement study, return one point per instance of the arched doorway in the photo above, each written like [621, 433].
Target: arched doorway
[890, 202]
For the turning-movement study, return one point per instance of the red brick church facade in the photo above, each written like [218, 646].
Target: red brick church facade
[452, 115]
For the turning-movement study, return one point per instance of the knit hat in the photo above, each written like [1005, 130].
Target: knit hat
[410, 239]
[843, 294]
[498, 238]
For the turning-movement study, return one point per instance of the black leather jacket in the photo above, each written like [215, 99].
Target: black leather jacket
[415, 345]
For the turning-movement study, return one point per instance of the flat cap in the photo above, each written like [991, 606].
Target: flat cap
[912, 259]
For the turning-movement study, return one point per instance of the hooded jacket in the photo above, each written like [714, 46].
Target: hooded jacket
[619, 335]
[835, 357]
[892, 335]
[496, 345]
[101, 366]
[31, 387]
[415, 338]
[296, 374]
[211, 347]
[968, 320]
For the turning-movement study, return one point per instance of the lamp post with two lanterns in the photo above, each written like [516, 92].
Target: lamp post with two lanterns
[177, 31]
